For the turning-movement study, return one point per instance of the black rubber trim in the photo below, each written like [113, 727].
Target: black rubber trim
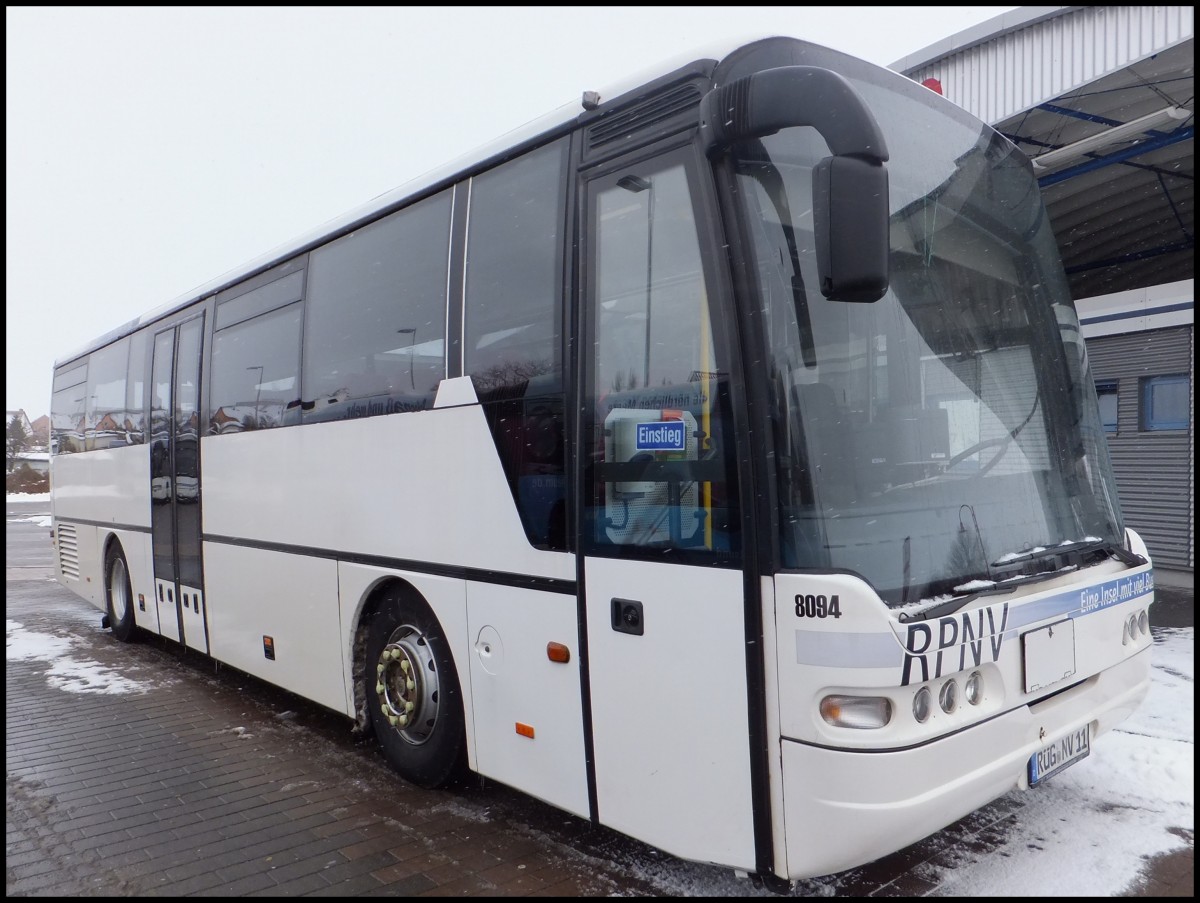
[132, 528]
[477, 575]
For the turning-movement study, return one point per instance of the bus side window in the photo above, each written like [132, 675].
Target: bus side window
[107, 425]
[661, 414]
[67, 421]
[512, 325]
[375, 324]
[255, 364]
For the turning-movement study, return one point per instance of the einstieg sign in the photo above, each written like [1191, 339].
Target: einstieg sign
[664, 435]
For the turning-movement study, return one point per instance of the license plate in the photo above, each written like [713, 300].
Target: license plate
[1050, 760]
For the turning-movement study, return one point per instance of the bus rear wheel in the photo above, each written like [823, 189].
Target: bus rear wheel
[413, 693]
[119, 595]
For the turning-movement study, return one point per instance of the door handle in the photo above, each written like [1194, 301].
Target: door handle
[627, 617]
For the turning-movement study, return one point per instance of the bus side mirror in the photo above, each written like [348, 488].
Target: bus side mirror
[850, 226]
[850, 188]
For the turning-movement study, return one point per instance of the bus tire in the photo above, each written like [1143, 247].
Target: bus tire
[119, 595]
[413, 693]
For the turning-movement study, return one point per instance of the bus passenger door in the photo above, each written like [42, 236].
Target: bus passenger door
[175, 520]
[662, 568]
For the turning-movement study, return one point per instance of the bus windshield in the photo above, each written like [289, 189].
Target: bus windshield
[943, 440]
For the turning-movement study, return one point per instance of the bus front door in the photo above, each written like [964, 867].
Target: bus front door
[662, 568]
[175, 520]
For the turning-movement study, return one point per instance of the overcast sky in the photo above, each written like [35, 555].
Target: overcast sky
[152, 150]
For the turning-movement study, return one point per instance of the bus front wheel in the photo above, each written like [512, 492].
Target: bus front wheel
[413, 693]
[119, 595]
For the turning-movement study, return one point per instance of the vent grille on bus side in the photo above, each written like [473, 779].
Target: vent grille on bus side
[68, 551]
[673, 109]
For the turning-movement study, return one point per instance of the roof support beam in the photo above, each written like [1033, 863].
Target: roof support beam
[1119, 157]
[1127, 258]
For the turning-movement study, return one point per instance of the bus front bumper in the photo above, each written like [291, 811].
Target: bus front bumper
[845, 808]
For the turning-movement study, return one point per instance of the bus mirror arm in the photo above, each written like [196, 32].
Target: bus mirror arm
[850, 188]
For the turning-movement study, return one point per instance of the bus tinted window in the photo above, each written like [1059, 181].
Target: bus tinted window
[513, 330]
[376, 320]
[106, 423]
[256, 373]
[66, 420]
[135, 389]
[75, 376]
[513, 314]
[66, 410]
[234, 308]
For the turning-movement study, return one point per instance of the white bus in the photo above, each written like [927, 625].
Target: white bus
[717, 460]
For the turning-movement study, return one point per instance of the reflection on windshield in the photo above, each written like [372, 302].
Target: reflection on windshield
[924, 439]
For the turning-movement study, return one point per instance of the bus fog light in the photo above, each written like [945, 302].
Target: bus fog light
[948, 697]
[973, 689]
[922, 704]
[1144, 622]
[860, 712]
[1124, 633]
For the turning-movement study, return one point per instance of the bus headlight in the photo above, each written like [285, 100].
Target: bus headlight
[973, 689]
[948, 696]
[1144, 622]
[922, 704]
[859, 712]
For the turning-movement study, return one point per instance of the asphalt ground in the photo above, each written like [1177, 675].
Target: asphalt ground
[199, 780]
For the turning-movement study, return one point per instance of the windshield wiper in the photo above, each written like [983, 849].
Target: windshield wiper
[952, 605]
[1031, 567]
[1062, 556]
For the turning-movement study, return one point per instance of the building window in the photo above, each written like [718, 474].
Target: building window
[1106, 394]
[1165, 402]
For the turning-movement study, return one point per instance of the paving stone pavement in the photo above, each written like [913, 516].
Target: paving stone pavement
[158, 793]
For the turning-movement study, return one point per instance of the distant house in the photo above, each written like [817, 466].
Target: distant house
[41, 431]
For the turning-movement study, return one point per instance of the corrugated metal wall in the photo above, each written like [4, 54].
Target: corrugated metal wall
[1031, 65]
[1154, 468]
